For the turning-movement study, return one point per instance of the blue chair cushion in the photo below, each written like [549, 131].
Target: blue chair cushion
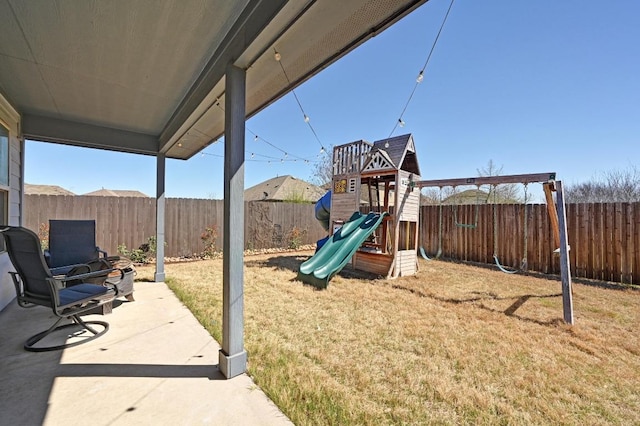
[77, 293]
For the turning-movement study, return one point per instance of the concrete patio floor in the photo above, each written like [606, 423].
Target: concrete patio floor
[156, 364]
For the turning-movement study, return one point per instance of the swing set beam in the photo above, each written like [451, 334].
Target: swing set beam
[489, 180]
[557, 213]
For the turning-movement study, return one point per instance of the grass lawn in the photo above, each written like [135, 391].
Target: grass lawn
[455, 344]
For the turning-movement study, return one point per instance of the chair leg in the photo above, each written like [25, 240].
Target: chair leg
[76, 321]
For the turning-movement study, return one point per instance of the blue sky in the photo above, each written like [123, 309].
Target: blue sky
[534, 86]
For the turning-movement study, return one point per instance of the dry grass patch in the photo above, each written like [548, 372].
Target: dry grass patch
[455, 344]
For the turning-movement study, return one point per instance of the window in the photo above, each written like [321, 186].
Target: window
[4, 179]
[4, 157]
[407, 237]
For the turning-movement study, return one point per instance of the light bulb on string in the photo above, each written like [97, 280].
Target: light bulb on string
[282, 160]
[322, 150]
[400, 122]
[252, 155]
[386, 144]
[285, 155]
[306, 118]
[277, 56]
[255, 138]
[420, 77]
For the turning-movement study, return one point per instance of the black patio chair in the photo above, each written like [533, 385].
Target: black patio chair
[73, 251]
[36, 285]
[71, 242]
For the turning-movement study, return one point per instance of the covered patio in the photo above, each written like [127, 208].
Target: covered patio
[156, 364]
[164, 79]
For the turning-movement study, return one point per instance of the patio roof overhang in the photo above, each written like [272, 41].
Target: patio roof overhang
[149, 77]
[155, 78]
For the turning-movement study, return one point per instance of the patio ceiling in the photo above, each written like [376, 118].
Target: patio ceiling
[148, 76]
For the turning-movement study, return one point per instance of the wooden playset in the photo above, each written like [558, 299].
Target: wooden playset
[380, 177]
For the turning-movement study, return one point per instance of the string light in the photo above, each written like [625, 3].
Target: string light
[420, 77]
[257, 138]
[267, 159]
[277, 56]
[306, 117]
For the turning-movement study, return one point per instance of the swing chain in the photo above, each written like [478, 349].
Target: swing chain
[524, 264]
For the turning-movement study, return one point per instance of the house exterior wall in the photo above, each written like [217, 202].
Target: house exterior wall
[10, 120]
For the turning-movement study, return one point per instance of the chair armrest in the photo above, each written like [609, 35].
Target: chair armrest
[84, 276]
[47, 257]
[62, 270]
[104, 253]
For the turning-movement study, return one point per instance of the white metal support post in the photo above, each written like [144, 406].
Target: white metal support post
[160, 205]
[233, 357]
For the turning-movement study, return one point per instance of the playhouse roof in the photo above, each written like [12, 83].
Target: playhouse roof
[399, 151]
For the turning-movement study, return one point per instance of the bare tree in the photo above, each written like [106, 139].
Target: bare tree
[499, 194]
[431, 196]
[607, 187]
[503, 193]
[322, 171]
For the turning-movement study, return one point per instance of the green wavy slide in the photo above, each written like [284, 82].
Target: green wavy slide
[339, 249]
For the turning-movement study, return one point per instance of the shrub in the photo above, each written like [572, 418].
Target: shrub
[295, 236]
[142, 254]
[43, 234]
[209, 237]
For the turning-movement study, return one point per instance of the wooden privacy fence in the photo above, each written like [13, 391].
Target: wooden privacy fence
[132, 220]
[604, 238]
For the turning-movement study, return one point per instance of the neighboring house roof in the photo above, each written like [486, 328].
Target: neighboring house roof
[284, 188]
[45, 190]
[117, 193]
[470, 196]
